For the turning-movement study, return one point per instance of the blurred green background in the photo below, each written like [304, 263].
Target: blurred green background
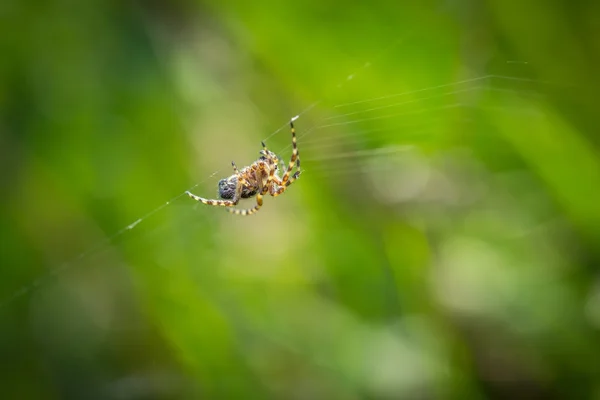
[441, 243]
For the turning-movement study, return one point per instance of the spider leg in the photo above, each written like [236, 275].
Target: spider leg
[262, 177]
[273, 164]
[295, 157]
[279, 187]
[235, 169]
[239, 174]
[269, 181]
[222, 203]
[249, 211]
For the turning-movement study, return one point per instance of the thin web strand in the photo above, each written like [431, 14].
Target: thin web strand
[105, 243]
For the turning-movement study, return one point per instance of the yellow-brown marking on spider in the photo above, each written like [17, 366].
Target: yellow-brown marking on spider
[257, 179]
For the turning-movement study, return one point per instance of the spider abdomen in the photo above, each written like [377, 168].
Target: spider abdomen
[227, 189]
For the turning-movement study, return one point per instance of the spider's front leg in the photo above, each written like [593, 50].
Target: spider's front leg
[294, 160]
[279, 185]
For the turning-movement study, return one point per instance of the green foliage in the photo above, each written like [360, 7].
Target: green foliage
[441, 242]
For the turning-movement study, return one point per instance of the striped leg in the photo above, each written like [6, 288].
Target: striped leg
[265, 152]
[222, 203]
[281, 187]
[249, 211]
[270, 179]
[241, 180]
[235, 169]
[295, 157]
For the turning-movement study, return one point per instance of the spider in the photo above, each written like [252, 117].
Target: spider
[257, 179]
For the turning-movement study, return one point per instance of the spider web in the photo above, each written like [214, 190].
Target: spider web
[427, 230]
[421, 116]
[342, 139]
[343, 143]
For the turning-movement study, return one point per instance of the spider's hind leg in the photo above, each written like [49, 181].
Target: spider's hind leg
[249, 211]
[221, 203]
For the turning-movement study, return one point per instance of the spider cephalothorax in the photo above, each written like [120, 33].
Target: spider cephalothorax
[257, 179]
